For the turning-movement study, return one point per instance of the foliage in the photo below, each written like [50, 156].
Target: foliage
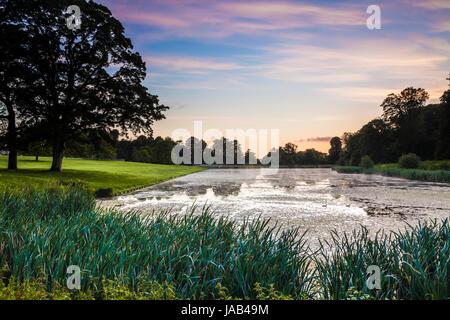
[366, 162]
[164, 256]
[104, 193]
[390, 171]
[406, 125]
[414, 263]
[409, 161]
[46, 232]
[335, 150]
[435, 165]
[74, 87]
[11, 289]
[398, 107]
[289, 156]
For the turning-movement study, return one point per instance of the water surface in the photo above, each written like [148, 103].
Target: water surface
[317, 200]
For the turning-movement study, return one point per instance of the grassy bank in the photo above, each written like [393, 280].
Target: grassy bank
[159, 256]
[119, 175]
[395, 171]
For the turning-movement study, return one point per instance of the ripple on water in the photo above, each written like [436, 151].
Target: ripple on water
[319, 200]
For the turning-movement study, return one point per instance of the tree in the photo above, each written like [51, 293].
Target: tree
[401, 112]
[250, 157]
[288, 154]
[15, 79]
[443, 148]
[397, 107]
[89, 78]
[335, 150]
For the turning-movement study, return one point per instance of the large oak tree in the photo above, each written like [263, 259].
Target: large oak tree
[86, 78]
[15, 80]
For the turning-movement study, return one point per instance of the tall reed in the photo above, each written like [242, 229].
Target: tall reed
[414, 263]
[199, 255]
[411, 174]
[43, 233]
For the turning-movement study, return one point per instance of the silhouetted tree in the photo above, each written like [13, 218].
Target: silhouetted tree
[335, 150]
[397, 107]
[443, 147]
[15, 77]
[88, 77]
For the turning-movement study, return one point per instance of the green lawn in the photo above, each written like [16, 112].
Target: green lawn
[119, 175]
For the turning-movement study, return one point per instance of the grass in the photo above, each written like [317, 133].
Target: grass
[119, 175]
[391, 170]
[423, 165]
[162, 256]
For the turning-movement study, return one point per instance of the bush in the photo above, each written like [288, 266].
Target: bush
[366, 162]
[435, 165]
[104, 193]
[409, 161]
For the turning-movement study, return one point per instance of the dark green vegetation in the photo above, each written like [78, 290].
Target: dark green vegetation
[414, 263]
[366, 162]
[411, 174]
[406, 126]
[409, 161]
[43, 233]
[126, 255]
[57, 83]
[103, 177]
[433, 171]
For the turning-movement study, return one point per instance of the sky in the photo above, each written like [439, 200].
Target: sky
[311, 69]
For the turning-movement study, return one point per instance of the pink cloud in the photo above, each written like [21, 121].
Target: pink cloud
[190, 65]
[432, 4]
[224, 18]
[319, 139]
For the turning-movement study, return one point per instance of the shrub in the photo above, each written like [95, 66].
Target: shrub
[366, 162]
[409, 161]
[104, 193]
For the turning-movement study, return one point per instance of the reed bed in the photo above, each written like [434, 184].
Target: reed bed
[43, 233]
[411, 174]
[414, 263]
[200, 256]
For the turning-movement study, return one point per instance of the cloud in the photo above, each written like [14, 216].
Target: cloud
[432, 4]
[350, 61]
[442, 26]
[216, 19]
[191, 65]
[319, 139]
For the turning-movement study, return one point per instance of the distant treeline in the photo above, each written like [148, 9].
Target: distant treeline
[406, 126]
[104, 145]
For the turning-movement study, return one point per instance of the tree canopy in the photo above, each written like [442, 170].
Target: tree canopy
[86, 78]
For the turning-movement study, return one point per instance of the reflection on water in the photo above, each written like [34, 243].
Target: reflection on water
[315, 199]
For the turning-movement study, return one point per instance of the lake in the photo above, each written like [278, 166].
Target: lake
[317, 200]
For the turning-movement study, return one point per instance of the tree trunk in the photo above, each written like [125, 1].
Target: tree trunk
[12, 140]
[58, 154]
